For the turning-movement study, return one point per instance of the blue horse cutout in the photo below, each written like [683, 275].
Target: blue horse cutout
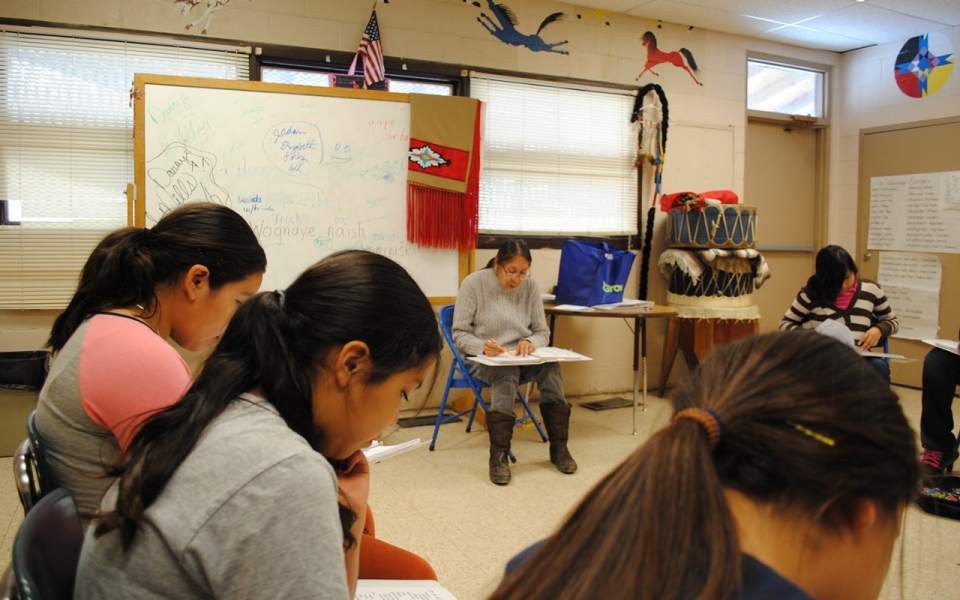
[505, 29]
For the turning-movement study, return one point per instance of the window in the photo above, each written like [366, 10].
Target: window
[66, 149]
[322, 79]
[774, 87]
[557, 159]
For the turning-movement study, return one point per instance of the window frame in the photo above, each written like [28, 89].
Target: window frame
[493, 240]
[43, 260]
[799, 121]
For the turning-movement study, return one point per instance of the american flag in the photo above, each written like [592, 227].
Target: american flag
[372, 52]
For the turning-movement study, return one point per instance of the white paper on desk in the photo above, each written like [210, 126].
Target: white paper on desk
[390, 589]
[627, 304]
[948, 345]
[572, 308]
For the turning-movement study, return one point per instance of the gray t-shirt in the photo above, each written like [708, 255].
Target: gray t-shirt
[251, 513]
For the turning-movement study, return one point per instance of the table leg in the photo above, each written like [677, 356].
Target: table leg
[643, 338]
[637, 325]
[669, 352]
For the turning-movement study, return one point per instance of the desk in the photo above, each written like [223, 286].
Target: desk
[639, 339]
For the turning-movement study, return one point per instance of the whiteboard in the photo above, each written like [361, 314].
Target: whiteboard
[312, 170]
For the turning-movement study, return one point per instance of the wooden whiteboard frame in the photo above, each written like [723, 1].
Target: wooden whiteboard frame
[136, 211]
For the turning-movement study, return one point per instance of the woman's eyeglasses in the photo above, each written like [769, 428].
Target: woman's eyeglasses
[515, 274]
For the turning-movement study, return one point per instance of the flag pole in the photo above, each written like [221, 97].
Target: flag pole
[374, 7]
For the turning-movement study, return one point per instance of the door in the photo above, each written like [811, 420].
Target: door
[905, 149]
[782, 181]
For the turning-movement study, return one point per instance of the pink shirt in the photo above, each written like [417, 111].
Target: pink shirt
[112, 373]
[128, 372]
[844, 298]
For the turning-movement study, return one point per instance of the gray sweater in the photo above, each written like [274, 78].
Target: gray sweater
[251, 513]
[487, 310]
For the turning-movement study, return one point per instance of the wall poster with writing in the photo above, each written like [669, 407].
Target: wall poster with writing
[915, 212]
[312, 170]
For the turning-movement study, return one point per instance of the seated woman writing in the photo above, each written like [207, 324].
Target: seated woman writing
[499, 310]
[835, 292]
[784, 474]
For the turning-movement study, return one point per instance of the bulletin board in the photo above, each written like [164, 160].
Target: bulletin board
[312, 170]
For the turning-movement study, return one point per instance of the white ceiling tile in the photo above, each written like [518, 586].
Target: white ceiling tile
[864, 21]
[705, 18]
[844, 24]
[941, 11]
[812, 38]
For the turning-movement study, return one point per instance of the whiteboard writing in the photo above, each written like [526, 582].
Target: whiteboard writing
[311, 174]
[915, 212]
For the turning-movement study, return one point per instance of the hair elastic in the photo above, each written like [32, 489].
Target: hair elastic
[708, 419]
[281, 297]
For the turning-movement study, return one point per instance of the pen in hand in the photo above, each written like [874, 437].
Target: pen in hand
[491, 345]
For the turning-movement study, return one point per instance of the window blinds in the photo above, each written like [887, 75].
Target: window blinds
[66, 149]
[557, 159]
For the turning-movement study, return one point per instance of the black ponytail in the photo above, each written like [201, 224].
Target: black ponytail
[127, 266]
[277, 342]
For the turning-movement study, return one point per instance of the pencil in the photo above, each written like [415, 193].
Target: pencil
[503, 348]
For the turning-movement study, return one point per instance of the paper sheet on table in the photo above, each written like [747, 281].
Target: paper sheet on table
[572, 307]
[911, 282]
[391, 589]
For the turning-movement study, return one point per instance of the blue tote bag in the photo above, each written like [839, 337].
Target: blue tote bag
[592, 273]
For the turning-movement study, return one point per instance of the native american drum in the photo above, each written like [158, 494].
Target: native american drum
[728, 226]
[725, 277]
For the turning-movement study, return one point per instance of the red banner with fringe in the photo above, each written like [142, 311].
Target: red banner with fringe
[443, 198]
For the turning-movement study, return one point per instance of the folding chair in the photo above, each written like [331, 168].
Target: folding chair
[46, 550]
[459, 377]
[25, 476]
[31, 473]
[46, 480]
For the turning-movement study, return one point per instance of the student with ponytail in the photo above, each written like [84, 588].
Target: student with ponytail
[182, 280]
[784, 474]
[254, 485]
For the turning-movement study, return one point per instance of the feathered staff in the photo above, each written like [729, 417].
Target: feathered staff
[650, 108]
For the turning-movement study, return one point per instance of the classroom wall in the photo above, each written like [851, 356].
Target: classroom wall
[448, 31]
[869, 97]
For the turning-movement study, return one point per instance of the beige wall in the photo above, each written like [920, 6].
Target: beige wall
[447, 31]
[869, 97]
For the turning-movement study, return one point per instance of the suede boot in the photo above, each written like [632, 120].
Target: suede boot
[556, 418]
[500, 425]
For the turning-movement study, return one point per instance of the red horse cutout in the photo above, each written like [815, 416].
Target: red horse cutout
[682, 58]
